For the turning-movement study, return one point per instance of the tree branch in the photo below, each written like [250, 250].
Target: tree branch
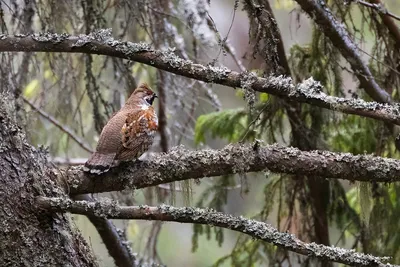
[59, 125]
[378, 7]
[337, 33]
[386, 19]
[102, 43]
[256, 229]
[180, 164]
[116, 244]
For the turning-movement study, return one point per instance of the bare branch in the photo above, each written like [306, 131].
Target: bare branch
[231, 51]
[256, 229]
[180, 164]
[116, 244]
[101, 43]
[225, 44]
[387, 20]
[59, 125]
[379, 7]
[337, 33]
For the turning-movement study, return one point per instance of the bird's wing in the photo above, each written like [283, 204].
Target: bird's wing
[110, 138]
[138, 132]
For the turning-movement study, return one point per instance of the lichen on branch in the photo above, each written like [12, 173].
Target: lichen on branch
[182, 164]
[102, 43]
[256, 229]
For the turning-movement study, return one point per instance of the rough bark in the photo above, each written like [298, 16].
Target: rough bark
[102, 43]
[29, 237]
[258, 230]
[181, 164]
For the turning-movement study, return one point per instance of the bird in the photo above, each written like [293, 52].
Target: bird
[128, 134]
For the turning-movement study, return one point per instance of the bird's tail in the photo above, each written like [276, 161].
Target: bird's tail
[99, 163]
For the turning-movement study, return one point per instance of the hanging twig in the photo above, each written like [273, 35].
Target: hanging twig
[59, 125]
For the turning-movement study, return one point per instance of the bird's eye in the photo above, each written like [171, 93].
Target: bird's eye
[150, 99]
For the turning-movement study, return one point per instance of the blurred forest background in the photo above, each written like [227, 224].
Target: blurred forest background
[69, 97]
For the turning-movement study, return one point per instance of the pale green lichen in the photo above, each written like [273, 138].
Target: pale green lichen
[173, 60]
[50, 37]
[309, 88]
[246, 83]
[217, 73]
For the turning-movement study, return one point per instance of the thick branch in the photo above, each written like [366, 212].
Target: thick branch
[180, 164]
[101, 43]
[256, 229]
[337, 33]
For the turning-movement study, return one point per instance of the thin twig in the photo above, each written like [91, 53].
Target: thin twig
[268, 104]
[58, 124]
[343, 41]
[226, 44]
[380, 8]
[391, 25]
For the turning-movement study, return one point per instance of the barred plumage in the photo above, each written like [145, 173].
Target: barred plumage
[128, 134]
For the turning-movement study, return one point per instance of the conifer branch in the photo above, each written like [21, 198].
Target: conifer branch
[319, 11]
[309, 91]
[253, 228]
[181, 164]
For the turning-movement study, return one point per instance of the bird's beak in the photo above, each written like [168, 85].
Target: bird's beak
[155, 95]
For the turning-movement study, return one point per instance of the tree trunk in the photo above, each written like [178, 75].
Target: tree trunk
[28, 236]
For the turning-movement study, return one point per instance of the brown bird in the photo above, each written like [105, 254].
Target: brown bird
[128, 134]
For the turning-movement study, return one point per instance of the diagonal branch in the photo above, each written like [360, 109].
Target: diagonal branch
[180, 164]
[319, 11]
[379, 7]
[59, 125]
[114, 240]
[256, 229]
[101, 43]
[387, 18]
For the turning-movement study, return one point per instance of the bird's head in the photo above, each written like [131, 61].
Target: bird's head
[144, 94]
